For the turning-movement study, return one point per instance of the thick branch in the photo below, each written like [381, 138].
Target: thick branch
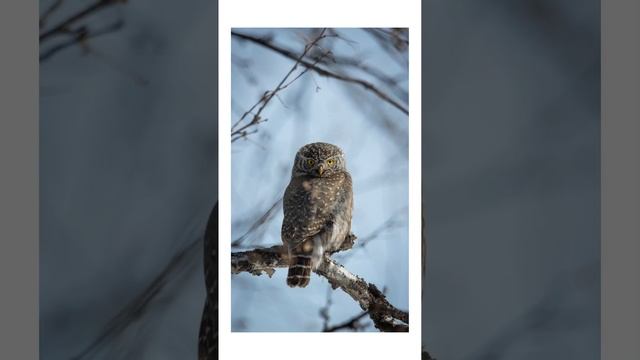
[385, 316]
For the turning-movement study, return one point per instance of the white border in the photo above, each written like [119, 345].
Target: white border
[331, 13]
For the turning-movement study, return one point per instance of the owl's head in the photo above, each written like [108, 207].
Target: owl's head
[319, 160]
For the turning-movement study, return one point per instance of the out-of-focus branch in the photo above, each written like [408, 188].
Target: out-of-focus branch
[50, 10]
[265, 218]
[69, 27]
[322, 71]
[426, 356]
[138, 307]
[385, 316]
[208, 334]
[80, 36]
[64, 25]
[242, 131]
[393, 42]
[353, 323]
[359, 64]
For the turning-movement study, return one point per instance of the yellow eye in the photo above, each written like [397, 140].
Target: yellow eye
[330, 162]
[310, 162]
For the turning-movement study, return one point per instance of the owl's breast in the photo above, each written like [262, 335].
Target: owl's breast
[321, 192]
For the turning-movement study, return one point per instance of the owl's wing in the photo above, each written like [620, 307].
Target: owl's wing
[301, 220]
[339, 223]
[313, 204]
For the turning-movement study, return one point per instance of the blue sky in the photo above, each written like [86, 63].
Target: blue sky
[314, 109]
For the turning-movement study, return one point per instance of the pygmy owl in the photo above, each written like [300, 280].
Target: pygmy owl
[317, 209]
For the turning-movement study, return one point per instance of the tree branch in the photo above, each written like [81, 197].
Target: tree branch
[353, 323]
[64, 26]
[80, 36]
[322, 71]
[385, 316]
[73, 32]
[48, 12]
[268, 95]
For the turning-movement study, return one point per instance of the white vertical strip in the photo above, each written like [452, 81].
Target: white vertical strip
[331, 13]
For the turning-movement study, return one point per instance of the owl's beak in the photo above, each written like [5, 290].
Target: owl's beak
[320, 170]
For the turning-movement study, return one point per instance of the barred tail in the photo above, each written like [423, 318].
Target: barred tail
[299, 271]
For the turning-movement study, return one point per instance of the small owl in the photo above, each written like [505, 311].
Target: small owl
[317, 209]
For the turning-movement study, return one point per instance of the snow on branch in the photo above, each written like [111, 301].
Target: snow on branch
[384, 315]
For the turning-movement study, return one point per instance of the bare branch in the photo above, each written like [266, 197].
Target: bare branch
[322, 71]
[359, 64]
[268, 95]
[353, 323]
[80, 36]
[396, 34]
[385, 316]
[324, 311]
[74, 33]
[394, 44]
[63, 27]
[47, 13]
[265, 218]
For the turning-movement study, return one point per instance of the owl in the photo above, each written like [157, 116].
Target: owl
[317, 209]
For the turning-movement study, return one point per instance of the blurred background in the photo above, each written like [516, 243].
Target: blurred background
[316, 106]
[511, 179]
[128, 176]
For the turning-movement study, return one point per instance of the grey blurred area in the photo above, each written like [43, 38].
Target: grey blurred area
[128, 176]
[511, 179]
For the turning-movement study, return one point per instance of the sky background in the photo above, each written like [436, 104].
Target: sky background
[128, 176]
[316, 109]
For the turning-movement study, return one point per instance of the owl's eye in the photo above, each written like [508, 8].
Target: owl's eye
[310, 162]
[331, 162]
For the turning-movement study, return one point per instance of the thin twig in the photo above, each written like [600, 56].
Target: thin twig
[388, 80]
[80, 36]
[268, 215]
[353, 323]
[394, 33]
[395, 49]
[75, 34]
[322, 71]
[267, 96]
[63, 27]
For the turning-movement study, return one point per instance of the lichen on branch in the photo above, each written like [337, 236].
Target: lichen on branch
[384, 315]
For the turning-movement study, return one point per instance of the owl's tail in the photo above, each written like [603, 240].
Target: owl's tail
[299, 271]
